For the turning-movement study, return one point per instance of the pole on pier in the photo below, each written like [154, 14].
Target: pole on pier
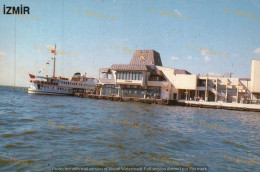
[206, 90]
[237, 88]
[216, 95]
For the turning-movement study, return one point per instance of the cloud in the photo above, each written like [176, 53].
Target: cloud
[2, 53]
[257, 50]
[203, 52]
[207, 59]
[192, 58]
[178, 12]
[175, 58]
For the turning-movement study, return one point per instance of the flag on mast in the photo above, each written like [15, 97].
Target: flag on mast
[32, 76]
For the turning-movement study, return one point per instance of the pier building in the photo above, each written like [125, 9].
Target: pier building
[145, 77]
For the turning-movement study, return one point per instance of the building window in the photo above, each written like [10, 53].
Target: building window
[124, 75]
[127, 75]
[120, 75]
[130, 75]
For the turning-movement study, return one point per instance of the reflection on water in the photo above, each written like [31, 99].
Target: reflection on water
[172, 137]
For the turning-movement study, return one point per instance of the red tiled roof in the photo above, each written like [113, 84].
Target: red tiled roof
[123, 67]
[146, 57]
[104, 70]
[180, 71]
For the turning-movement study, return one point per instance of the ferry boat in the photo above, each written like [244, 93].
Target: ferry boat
[60, 85]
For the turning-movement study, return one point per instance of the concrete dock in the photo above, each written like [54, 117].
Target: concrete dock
[214, 105]
[221, 105]
[126, 99]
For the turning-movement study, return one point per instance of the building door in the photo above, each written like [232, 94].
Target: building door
[174, 96]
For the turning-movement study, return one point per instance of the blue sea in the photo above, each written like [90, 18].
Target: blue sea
[62, 131]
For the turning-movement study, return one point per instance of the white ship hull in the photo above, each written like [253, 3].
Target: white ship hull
[48, 92]
[56, 86]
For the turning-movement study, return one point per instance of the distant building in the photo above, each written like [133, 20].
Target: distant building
[145, 77]
[255, 80]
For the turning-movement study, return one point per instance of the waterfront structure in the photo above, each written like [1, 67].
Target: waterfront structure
[145, 77]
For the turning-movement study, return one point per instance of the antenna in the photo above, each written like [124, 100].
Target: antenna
[54, 62]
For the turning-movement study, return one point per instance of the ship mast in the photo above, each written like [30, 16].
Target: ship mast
[54, 62]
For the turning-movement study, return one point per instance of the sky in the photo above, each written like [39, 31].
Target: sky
[200, 36]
